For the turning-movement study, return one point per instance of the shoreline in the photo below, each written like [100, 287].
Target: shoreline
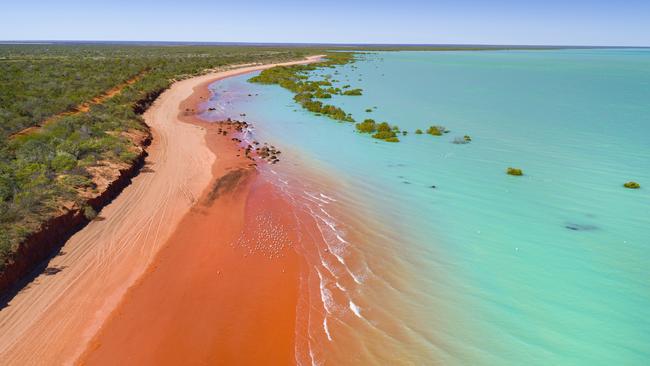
[245, 284]
[53, 318]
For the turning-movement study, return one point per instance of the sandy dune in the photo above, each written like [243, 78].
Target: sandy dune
[52, 320]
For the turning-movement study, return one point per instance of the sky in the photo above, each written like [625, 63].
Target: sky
[523, 22]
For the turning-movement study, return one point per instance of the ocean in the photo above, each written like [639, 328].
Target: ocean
[435, 255]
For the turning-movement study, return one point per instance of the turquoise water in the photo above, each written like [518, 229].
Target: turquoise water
[552, 268]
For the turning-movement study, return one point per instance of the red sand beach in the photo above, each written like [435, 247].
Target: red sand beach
[224, 289]
[229, 269]
[242, 280]
[52, 321]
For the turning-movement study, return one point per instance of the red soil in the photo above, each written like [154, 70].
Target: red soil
[224, 290]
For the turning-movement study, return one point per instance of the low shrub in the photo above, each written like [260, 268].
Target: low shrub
[353, 92]
[89, 212]
[436, 130]
[367, 126]
[384, 135]
[514, 171]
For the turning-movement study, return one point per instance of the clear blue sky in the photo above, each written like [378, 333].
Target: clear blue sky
[576, 22]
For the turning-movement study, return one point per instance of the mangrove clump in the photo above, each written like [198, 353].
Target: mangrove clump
[367, 126]
[515, 171]
[436, 130]
[353, 92]
[294, 79]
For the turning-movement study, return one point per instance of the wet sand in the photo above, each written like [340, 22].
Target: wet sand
[254, 274]
[225, 288]
[51, 321]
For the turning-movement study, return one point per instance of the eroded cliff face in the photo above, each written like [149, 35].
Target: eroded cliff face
[33, 253]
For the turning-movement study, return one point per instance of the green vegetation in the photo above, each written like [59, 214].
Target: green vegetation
[418, 131]
[368, 110]
[295, 79]
[632, 185]
[437, 130]
[353, 92]
[53, 167]
[89, 212]
[367, 126]
[380, 131]
[514, 171]
[385, 132]
[43, 171]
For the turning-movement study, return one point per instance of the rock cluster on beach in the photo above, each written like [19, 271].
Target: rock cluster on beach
[253, 151]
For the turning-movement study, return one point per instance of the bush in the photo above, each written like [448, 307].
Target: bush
[294, 79]
[89, 212]
[418, 131]
[367, 126]
[40, 172]
[515, 171]
[63, 161]
[384, 127]
[352, 92]
[383, 135]
[437, 130]
[632, 185]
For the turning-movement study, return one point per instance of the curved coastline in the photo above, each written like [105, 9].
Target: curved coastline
[272, 271]
[51, 320]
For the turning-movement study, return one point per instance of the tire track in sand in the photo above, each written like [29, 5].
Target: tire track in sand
[51, 320]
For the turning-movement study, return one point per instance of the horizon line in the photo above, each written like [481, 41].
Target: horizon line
[338, 44]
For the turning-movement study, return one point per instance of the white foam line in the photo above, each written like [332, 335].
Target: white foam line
[332, 226]
[325, 294]
[334, 250]
[359, 280]
[316, 198]
[327, 331]
[326, 213]
[327, 197]
[327, 267]
[355, 309]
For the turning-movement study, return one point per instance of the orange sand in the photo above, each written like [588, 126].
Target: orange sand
[224, 290]
[241, 281]
[51, 321]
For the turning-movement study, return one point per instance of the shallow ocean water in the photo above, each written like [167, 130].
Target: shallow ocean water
[549, 268]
